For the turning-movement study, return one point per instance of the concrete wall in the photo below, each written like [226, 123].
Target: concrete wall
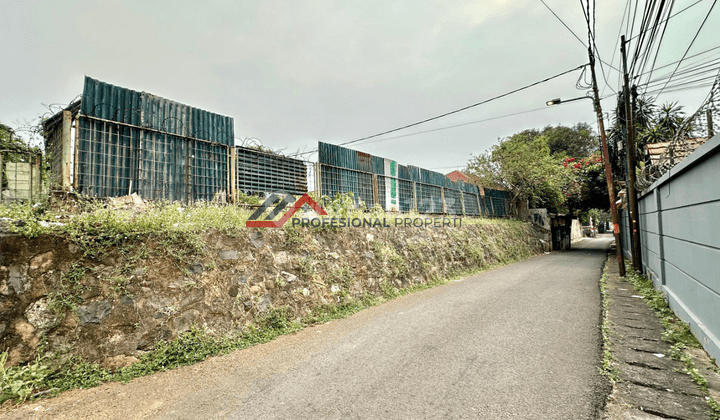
[680, 239]
[23, 181]
[576, 231]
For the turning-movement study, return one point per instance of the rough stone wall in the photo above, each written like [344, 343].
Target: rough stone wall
[114, 319]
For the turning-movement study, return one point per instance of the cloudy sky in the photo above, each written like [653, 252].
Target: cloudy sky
[295, 72]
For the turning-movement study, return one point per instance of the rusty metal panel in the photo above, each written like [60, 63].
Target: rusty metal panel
[259, 171]
[142, 109]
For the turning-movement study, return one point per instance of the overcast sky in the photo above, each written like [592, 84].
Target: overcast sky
[292, 73]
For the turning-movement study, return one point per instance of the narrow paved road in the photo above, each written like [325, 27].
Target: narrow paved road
[518, 342]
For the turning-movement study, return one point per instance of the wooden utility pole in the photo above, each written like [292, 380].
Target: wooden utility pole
[608, 168]
[631, 192]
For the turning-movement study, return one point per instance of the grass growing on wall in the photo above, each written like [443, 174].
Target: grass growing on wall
[100, 228]
[37, 379]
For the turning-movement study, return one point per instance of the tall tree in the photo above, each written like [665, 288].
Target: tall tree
[524, 166]
[577, 141]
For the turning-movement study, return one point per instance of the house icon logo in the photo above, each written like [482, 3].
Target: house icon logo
[280, 205]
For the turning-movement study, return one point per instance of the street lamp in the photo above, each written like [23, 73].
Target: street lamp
[558, 101]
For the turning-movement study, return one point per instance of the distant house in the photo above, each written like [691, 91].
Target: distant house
[653, 151]
[457, 176]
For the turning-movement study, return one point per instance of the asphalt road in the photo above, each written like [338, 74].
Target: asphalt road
[518, 342]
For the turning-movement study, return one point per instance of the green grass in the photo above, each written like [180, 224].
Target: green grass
[174, 230]
[21, 382]
[608, 366]
[676, 332]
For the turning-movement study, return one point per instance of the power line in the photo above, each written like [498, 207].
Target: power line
[697, 2]
[699, 69]
[451, 126]
[625, 10]
[691, 43]
[571, 31]
[458, 125]
[657, 51]
[466, 107]
[563, 23]
[678, 61]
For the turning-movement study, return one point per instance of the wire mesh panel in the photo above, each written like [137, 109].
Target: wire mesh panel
[429, 198]
[106, 159]
[21, 179]
[499, 207]
[403, 193]
[116, 160]
[53, 149]
[406, 195]
[336, 180]
[471, 204]
[208, 165]
[266, 172]
[453, 201]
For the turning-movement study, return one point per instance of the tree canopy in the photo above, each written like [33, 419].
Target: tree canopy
[578, 141]
[558, 168]
[523, 166]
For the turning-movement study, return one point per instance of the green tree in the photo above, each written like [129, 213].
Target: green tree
[578, 141]
[585, 186]
[524, 166]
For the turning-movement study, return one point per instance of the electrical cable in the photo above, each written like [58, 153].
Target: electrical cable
[450, 126]
[581, 41]
[563, 23]
[657, 51]
[692, 56]
[467, 107]
[692, 42]
[653, 36]
[697, 2]
[627, 6]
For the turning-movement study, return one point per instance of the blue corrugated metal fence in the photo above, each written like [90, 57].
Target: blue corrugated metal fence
[345, 170]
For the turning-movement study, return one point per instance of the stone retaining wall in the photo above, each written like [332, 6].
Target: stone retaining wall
[112, 319]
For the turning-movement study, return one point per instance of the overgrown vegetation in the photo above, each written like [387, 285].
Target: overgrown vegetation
[67, 296]
[37, 380]
[105, 229]
[608, 368]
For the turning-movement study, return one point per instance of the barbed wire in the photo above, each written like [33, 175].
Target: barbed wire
[687, 138]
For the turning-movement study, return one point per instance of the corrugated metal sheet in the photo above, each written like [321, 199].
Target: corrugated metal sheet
[142, 109]
[345, 170]
[266, 172]
[131, 141]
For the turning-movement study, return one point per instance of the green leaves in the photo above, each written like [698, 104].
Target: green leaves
[525, 167]
[19, 382]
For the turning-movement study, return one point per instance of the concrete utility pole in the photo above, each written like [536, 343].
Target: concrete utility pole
[632, 193]
[608, 168]
[710, 128]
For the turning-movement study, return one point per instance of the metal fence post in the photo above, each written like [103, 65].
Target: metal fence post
[442, 199]
[415, 204]
[477, 197]
[318, 180]
[232, 174]
[65, 180]
[375, 192]
[462, 202]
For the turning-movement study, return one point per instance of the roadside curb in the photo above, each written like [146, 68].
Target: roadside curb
[651, 385]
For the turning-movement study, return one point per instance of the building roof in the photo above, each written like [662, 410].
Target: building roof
[457, 176]
[655, 150]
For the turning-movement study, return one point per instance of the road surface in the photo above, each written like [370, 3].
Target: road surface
[518, 342]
